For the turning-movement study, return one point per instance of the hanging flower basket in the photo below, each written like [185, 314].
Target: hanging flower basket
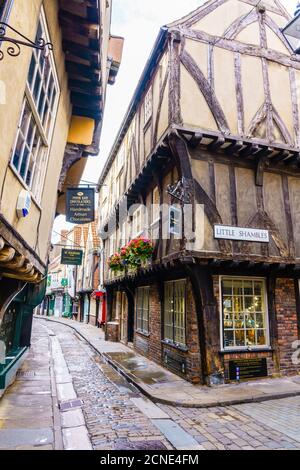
[140, 251]
[115, 263]
[133, 256]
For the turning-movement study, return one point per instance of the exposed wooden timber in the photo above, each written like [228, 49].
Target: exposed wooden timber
[6, 254]
[236, 46]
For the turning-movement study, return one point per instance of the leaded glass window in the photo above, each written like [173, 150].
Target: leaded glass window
[244, 313]
[142, 309]
[36, 123]
[175, 312]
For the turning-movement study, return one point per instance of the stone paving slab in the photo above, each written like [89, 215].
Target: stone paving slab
[17, 437]
[158, 384]
[179, 438]
[76, 439]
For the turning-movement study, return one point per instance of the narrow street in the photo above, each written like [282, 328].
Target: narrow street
[61, 367]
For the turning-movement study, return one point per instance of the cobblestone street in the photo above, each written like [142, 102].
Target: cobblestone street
[118, 417]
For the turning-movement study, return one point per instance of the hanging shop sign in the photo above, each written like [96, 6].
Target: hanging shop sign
[245, 369]
[71, 257]
[80, 205]
[241, 234]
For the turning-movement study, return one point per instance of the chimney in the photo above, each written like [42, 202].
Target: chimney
[64, 237]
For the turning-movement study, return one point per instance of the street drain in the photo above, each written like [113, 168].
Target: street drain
[28, 373]
[70, 404]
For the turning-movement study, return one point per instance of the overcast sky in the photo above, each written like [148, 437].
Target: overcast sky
[138, 21]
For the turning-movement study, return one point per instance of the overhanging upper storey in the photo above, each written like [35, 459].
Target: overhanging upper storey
[93, 58]
[89, 52]
[224, 77]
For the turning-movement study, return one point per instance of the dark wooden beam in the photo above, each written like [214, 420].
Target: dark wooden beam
[78, 70]
[86, 88]
[81, 52]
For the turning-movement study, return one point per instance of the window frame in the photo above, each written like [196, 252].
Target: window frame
[142, 329]
[148, 106]
[167, 340]
[266, 314]
[40, 131]
[178, 212]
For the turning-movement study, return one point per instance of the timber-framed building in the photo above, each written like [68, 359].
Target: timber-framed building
[214, 121]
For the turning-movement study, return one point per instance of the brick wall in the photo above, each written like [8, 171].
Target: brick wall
[287, 323]
[287, 328]
[155, 349]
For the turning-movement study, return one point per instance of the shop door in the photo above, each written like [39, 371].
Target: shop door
[123, 317]
[58, 306]
[86, 309]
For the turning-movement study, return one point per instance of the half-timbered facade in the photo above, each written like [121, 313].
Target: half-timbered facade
[213, 134]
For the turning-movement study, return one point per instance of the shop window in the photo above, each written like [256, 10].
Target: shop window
[244, 308]
[142, 309]
[38, 113]
[175, 312]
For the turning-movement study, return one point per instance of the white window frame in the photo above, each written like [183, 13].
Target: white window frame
[120, 159]
[41, 156]
[137, 219]
[142, 289]
[173, 230]
[148, 106]
[267, 323]
[167, 340]
[154, 223]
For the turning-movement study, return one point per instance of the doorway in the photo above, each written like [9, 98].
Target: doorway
[130, 318]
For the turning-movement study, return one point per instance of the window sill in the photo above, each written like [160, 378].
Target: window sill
[175, 346]
[245, 350]
[140, 332]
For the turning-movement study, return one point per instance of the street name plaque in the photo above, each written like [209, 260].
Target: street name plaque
[244, 234]
[245, 369]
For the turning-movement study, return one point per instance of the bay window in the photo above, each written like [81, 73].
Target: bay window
[244, 313]
[30, 153]
[175, 312]
[142, 309]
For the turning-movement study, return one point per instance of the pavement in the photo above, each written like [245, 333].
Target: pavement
[164, 387]
[30, 415]
[109, 413]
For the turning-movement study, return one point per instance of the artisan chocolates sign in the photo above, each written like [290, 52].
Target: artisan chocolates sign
[227, 232]
[80, 205]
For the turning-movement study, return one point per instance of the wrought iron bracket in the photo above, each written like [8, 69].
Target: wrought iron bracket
[182, 190]
[15, 43]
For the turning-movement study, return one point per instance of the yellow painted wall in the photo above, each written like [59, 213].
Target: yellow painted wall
[36, 228]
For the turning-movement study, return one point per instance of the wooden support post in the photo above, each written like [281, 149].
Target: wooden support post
[208, 324]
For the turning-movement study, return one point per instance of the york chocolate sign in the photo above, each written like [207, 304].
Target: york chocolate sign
[80, 205]
[245, 369]
[71, 257]
[227, 232]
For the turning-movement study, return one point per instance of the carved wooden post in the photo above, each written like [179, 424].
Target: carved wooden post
[208, 324]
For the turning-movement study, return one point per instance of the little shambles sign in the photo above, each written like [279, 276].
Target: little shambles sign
[80, 204]
[71, 257]
[242, 234]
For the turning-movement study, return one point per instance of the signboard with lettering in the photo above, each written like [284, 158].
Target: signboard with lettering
[244, 234]
[71, 257]
[245, 369]
[80, 205]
